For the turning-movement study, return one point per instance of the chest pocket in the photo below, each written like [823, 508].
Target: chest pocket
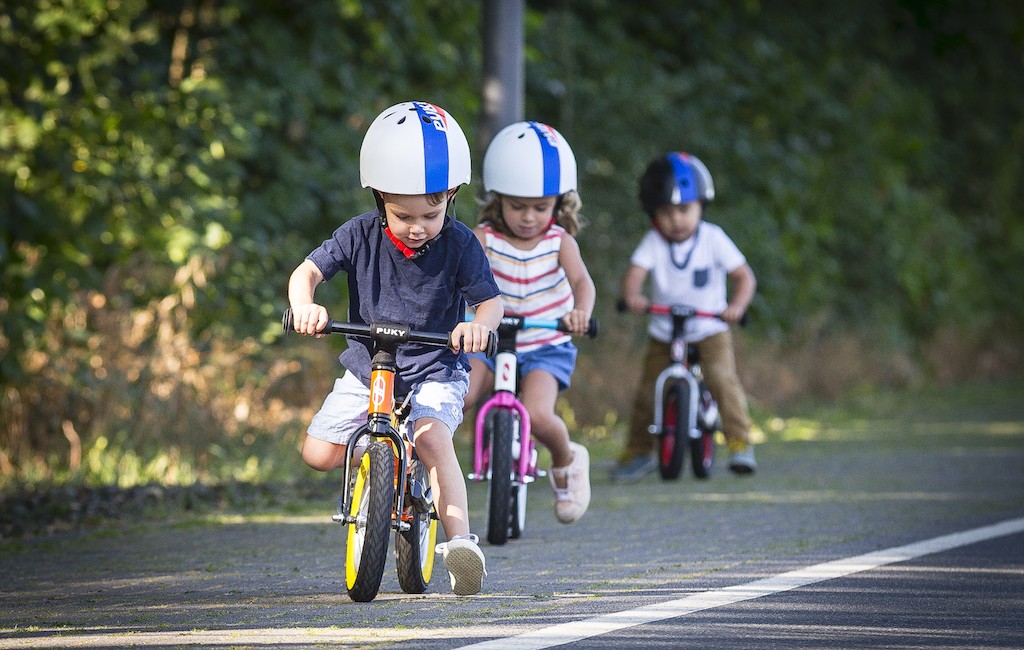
[700, 277]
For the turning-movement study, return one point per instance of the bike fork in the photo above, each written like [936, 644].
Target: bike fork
[503, 400]
[675, 371]
[376, 431]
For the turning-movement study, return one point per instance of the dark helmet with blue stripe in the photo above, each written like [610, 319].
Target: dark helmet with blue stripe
[414, 148]
[530, 160]
[674, 178]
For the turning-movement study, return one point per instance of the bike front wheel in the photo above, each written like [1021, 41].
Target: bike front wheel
[372, 502]
[498, 430]
[414, 548]
[672, 439]
[518, 517]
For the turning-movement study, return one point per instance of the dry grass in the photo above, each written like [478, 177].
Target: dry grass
[125, 395]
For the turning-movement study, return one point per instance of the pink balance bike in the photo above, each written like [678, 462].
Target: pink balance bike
[685, 413]
[504, 453]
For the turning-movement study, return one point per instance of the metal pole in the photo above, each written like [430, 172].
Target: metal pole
[503, 86]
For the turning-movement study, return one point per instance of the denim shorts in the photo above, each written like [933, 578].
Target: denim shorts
[558, 360]
[345, 408]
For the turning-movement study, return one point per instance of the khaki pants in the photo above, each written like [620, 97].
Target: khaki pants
[718, 361]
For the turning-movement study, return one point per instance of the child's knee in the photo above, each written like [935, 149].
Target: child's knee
[547, 424]
[432, 437]
[317, 459]
[322, 455]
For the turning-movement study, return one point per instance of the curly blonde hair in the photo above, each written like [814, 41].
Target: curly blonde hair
[567, 213]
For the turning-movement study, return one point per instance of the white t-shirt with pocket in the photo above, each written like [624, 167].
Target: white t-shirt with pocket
[691, 272]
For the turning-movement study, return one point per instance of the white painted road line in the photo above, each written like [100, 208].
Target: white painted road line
[570, 632]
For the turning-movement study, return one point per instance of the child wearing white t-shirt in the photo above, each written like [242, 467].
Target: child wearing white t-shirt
[689, 262]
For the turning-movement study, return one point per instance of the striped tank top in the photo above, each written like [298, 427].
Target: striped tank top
[532, 284]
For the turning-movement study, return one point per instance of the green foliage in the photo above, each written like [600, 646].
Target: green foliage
[840, 171]
[166, 165]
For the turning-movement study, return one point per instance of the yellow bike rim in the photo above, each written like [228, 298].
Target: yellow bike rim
[357, 529]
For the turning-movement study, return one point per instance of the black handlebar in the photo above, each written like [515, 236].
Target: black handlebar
[386, 334]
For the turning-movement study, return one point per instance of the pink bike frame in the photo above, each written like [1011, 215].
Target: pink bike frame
[506, 367]
[506, 401]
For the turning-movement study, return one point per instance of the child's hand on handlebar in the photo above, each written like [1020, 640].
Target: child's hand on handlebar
[578, 322]
[470, 337]
[732, 314]
[637, 303]
[310, 319]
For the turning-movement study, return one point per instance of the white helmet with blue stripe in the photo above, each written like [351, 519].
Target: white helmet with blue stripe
[414, 148]
[530, 160]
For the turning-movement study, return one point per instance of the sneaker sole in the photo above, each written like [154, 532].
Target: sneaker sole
[466, 570]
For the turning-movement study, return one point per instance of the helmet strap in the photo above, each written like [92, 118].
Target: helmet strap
[413, 253]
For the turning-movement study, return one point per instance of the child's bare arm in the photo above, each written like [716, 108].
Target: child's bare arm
[472, 336]
[309, 318]
[743, 286]
[583, 292]
[633, 289]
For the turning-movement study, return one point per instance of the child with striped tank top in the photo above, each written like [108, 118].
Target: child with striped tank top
[527, 225]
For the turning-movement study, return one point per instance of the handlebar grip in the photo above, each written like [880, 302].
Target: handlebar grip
[561, 326]
[287, 322]
[621, 307]
[492, 344]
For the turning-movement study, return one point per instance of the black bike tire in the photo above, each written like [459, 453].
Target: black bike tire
[498, 428]
[517, 511]
[673, 437]
[702, 448]
[414, 548]
[702, 454]
[380, 497]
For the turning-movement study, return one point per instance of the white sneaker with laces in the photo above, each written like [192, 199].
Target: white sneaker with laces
[465, 563]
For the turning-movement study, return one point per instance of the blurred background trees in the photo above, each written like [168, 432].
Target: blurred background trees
[165, 165]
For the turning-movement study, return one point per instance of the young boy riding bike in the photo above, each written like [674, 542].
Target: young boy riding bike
[688, 261]
[408, 261]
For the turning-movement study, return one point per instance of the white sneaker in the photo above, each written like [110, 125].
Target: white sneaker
[574, 499]
[742, 461]
[465, 563]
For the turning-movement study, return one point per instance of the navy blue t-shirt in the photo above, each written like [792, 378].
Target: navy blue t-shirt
[429, 293]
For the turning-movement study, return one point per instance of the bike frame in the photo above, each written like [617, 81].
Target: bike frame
[679, 367]
[363, 506]
[381, 423]
[505, 396]
[506, 389]
[381, 420]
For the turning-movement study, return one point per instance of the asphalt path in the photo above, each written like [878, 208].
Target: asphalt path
[276, 579]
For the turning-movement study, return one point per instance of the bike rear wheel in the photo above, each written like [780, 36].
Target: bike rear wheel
[702, 449]
[702, 454]
[498, 431]
[414, 548]
[672, 440]
[371, 507]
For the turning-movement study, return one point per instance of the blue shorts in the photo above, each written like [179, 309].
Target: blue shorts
[558, 360]
[344, 409]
